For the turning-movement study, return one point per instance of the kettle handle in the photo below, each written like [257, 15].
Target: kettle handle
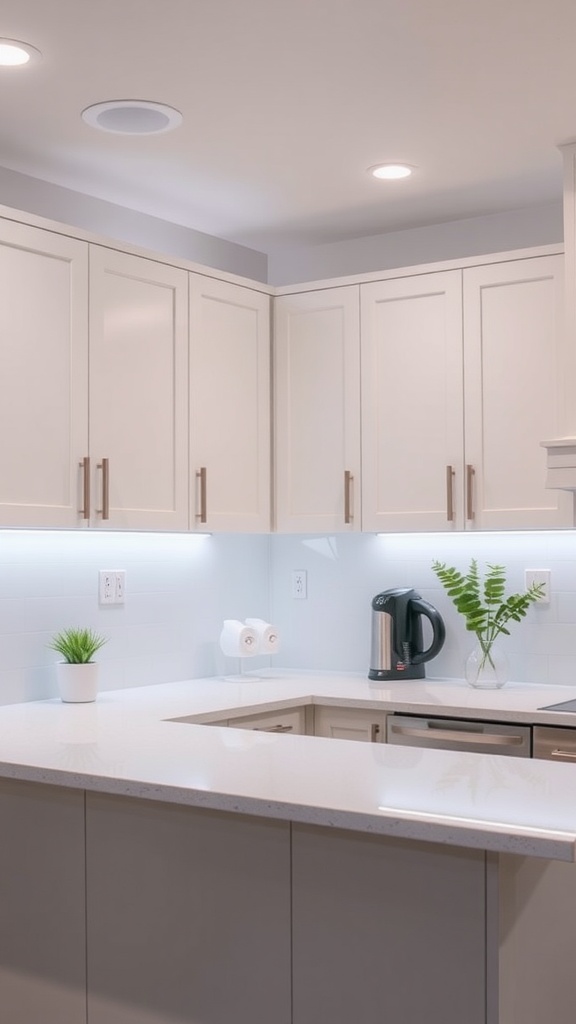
[438, 627]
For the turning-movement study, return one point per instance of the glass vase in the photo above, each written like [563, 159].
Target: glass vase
[487, 666]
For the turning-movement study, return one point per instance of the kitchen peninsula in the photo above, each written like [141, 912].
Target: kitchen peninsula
[165, 872]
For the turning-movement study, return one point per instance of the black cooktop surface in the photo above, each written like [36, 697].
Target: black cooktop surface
[566, 705]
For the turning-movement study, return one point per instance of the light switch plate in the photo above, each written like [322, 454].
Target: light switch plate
[532, 576]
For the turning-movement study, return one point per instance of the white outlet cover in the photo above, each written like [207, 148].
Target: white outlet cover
[532, 576]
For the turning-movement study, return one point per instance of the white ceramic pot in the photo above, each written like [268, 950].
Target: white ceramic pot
[78, 684]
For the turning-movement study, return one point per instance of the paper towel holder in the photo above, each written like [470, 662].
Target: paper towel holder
[249, 639]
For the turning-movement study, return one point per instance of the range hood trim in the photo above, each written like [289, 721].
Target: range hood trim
[561, 463]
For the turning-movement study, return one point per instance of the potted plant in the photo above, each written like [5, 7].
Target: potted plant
[486, 610]
[77, 673]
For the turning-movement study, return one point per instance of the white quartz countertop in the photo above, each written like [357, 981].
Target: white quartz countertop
[125, 744]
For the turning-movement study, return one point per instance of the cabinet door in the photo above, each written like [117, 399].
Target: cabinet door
[138, 391]
[229, 407]
[412, 404]
[386, 931]
[42, 904]
[43, 376]
[512, 328]
[317, 411]
[350, 724]
[188, 915]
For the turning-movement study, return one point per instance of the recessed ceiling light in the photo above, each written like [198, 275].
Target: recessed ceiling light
[132, 117]
[390, 172]
[14, 54]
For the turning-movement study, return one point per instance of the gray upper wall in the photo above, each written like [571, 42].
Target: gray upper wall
[499, 232]
[22, 192]
[476, 236]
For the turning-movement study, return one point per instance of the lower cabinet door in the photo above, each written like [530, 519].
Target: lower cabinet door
[350, 724]
[42, 909]
[189, 915]
[386, 931]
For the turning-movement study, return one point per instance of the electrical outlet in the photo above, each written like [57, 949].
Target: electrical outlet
[106, 587]
[300, 584]
[539, 576]
[120, 575]
[111, 586]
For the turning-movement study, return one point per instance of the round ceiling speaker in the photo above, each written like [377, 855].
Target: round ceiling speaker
[132, 117]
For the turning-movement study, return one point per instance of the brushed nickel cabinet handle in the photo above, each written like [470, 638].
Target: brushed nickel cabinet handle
[348, 479]
[563, 753]
[374, 732]
[470, 471]
[105, 510]
[275, 728]
[450, 493]
[201, 476]
[85, 467]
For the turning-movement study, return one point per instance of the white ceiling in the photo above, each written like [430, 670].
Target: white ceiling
[287, 102]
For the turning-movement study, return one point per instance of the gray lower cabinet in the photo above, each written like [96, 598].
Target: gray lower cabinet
[188, 915]
[537, 913]
[42, 910]
[116, 910]
[386, 931]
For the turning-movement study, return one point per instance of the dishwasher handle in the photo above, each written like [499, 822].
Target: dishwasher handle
[461, 735]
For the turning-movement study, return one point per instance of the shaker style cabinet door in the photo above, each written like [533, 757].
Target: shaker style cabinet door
[512, 342]
[43, 376]
[138, 392]
[317, 411]
[229, 407]
[358, 724]
[412, 403]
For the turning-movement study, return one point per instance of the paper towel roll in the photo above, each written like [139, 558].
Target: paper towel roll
[268, 639]
[238, 640]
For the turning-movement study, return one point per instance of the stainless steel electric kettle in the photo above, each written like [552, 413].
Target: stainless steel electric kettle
[397, 635]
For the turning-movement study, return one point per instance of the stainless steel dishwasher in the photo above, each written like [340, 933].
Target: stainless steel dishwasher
[475, 736]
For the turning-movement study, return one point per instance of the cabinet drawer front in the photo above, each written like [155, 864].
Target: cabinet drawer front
[289, 722]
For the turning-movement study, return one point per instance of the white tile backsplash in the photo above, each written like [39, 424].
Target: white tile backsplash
[180, 588]
[332, 629]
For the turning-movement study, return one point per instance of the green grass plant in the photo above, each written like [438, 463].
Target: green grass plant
[77, 646]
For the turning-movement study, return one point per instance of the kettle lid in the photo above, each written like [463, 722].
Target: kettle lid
[387, 597]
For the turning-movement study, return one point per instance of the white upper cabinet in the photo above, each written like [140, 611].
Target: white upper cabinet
[138, 392]
[461, 377]
[136, 395]
[229, 407]
[412, 403]
[43, 376]
[317, 411]
[513, 315]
